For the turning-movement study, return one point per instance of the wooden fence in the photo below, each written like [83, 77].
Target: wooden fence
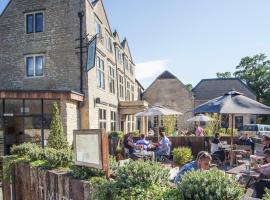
[31, 183]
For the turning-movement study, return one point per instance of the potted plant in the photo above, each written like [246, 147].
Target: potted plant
[182, 155]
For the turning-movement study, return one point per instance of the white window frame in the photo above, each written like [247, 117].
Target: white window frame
[102, 119]
[109, 43]
[100, 70]
[126, 64]
[113, 120]
[132, 92]
[131, 123]
[34, 21]
[34, 60]
[112, 79]
[121, 87]
[128, 90]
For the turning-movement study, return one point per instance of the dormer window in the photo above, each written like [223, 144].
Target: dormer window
[34, 22]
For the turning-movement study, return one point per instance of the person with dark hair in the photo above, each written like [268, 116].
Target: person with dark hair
[216, 148]
[202, 162]
[266, 142]
[163, 146]
[128, 143]
[246, 140]
[143, 142]
[265, 171]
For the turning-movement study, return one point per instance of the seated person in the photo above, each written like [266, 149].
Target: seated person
[246, 140]
[216, 148]
[143, 142]
[163, 147]
[265, 171]
[202, 162]
[266, 142]
[128, 143]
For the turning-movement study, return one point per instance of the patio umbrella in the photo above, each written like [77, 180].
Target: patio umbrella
[233, 102]
[200, 118]
[157, 110]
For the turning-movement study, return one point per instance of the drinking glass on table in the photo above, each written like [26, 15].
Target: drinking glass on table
[247, 165]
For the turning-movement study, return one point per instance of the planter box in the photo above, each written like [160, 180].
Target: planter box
[33, 183]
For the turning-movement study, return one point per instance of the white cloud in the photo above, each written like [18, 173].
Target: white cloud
[151, 69]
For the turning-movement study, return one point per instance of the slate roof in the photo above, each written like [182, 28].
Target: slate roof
[208, 89]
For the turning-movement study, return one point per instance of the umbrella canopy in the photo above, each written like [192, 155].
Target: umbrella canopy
[233, 102]
[200, 118]
[157, 110]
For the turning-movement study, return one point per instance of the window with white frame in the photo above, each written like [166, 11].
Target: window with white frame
[131, 69]
[132, 92]
[113, 121]
[119, 56]
[34, 65]
[121, 86]
[98, 28]
[126, 63]
[128, 91]
[130, 123]
[112, 79]
[100, 73]
[34, 22]
[102, 118]
[109, 45]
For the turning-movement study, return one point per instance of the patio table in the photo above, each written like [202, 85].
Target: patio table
[241, 170]
[146, 155]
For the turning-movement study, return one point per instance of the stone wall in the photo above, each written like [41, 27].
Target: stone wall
[36, 184]
[70, 118]
[57, 43]
[171, 93]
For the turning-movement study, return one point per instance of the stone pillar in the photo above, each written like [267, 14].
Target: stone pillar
[70, 118]
[126, 124]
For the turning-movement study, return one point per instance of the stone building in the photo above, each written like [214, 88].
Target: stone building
[208, 89]
[41, 63]
[169, 91]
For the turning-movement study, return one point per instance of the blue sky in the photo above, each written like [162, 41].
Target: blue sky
[193, 39]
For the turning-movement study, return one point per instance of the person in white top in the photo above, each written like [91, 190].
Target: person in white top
[216, 148]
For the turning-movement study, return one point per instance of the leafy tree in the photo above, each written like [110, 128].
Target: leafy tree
[169, 123]
[224, 74]
[56, 139]
[255, 72]
[189, 87]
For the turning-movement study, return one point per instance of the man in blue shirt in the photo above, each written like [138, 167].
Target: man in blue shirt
[143, 142]
[202, 162]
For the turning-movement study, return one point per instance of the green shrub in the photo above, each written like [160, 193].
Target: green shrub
[137, 180]
[141, 173]
[135, 133]
[23, 149]
[169, 124]
[211, 184]
[58, 158]
[182, 155]
[85, 173]
[113, 164]
[56, 139]
[9, 164]
[266, 196]
[116, 134]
